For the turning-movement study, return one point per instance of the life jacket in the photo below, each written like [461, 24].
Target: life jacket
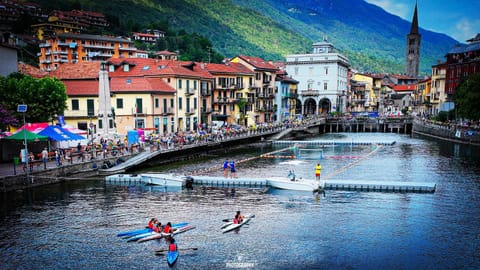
[167, 229]
[172, 247]
[150, 224]
[157, 229]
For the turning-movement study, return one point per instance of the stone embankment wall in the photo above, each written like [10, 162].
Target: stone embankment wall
[50, 176]
[452, 133]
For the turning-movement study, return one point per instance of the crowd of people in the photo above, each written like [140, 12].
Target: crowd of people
[106, 148]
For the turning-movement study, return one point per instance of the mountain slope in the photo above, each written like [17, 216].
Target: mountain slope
[373, 39]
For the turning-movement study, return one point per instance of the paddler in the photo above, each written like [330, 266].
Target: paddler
[158, 228]
[238, 218]
[152, 223]
[168, 228]
[172, 246]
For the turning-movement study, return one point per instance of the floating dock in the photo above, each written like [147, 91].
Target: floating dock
[379, 186]
[345, 185]
[200, 180]
[332, 143]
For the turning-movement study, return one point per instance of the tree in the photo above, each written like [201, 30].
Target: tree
[46, 98]
[6, 118]
[467, 97]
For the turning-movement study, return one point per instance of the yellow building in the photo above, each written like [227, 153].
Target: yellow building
[231, 102]
[261, 87]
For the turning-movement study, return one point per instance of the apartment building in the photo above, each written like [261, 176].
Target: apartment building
[231, 102]
[74, 48]
[261, 87]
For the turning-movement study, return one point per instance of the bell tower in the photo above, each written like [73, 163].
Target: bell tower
[413, 47]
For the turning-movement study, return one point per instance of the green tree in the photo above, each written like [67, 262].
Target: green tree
[467, 97]
[46, 98]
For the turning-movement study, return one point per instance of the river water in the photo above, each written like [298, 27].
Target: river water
[74, 225]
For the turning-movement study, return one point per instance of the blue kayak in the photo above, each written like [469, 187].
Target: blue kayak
[172, 257]
[147, 230]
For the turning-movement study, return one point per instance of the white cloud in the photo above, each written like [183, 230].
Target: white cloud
[394, 7]
[465, 29]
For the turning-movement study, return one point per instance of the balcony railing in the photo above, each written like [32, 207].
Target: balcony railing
[310, 92]
[206, 92]
[168, 111]
[190, 111]
[190, 92]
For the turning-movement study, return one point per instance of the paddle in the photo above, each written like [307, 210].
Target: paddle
[161, 251]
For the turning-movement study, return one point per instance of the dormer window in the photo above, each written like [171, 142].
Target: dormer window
[126, 67]
[111, 68]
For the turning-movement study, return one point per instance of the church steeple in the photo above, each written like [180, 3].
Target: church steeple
[413, 47]
[414, 27]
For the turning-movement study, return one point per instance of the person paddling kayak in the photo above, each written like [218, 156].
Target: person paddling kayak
[238, 218]
[168, 228]
[152, 223]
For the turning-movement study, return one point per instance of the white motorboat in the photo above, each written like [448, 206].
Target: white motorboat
[294, 184]
[161, 179]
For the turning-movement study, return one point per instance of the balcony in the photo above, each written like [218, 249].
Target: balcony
[190, 111]
[206, 110]
[132, 49]
[221, 100]
[206, 92]
[168, 111]
[98, 46]
[189, 92]
[45, 45]
[310, 93]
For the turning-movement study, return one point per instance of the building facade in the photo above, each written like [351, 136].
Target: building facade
[74, 48]
[462, 61]
[322, 79]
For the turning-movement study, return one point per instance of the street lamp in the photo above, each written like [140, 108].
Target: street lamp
[22, 108]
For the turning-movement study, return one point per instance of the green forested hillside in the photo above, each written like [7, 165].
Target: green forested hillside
[372, 39]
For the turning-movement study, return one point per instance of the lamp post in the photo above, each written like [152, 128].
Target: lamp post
[23, 109]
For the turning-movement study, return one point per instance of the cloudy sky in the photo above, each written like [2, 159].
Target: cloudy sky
[459, 19]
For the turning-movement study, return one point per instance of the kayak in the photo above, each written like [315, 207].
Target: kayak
[146, 230]
[172, 257]
[156, 235]
[230, 226]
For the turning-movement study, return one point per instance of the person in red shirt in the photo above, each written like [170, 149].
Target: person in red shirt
[158, 228]
[172, 246]
[238, 218]
[168, 228]
[152, 223]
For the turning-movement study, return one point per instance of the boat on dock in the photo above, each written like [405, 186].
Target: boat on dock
[161, 179]
[290, 184]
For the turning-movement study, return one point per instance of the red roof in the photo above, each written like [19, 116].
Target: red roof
[228, 68]
[82, 70]
[81, 87]
[151, 67]
[31, 70]
[257, 62]
[139, 84]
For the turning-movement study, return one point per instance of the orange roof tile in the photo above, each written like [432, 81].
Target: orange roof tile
[31, 70]
[139, 84]
[152, 67]
[81, 70]
[81, 87]
[257, 62]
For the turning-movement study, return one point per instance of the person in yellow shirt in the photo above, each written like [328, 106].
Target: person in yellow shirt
[318, 170]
